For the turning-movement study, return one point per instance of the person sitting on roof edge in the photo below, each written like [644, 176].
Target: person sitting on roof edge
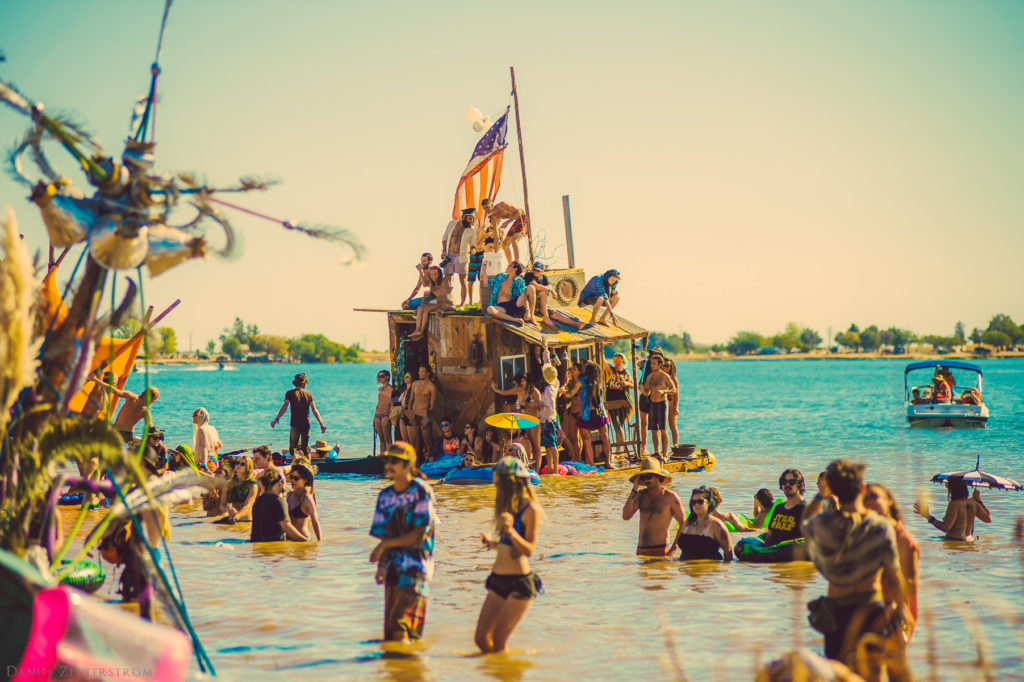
[538, 281]
[511, 300]
[600, 292]
[422, 280]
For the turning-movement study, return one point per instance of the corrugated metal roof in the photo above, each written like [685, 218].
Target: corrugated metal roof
[565, 336]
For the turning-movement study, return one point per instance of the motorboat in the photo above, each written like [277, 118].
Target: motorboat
[964, 409]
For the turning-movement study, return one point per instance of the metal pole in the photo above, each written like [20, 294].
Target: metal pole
[570, 254]
[522, 164]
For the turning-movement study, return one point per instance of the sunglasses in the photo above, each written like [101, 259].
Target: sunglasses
[444, 424]
[789, 481]
[698, 500]
[646, 477]
[395, 460]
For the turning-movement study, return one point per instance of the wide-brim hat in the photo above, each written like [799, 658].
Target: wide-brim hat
[652, 465]
[321, 446]
[549, 373]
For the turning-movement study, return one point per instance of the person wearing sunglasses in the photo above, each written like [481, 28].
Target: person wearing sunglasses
[448, 443]
[785, 522]
[657, 506]
[404, 521]
[301, 501]
[270, 521]
[703, 536]
[240, 497]
[382, 413]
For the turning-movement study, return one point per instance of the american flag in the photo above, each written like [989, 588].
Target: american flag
[483, 173]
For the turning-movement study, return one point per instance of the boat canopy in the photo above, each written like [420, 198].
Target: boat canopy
[569, 337]
[953, 364]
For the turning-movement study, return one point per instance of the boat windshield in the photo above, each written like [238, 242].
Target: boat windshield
[919, 386]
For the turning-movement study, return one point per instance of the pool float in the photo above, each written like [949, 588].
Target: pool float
[87, 575]
[75, 499]
[441, 466]
[755, 551]
[478, 476]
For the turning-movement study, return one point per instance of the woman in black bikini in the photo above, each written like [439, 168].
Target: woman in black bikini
[703, 536]
[302, 501]
[511, 586]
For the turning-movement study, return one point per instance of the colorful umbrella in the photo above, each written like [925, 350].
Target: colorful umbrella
[512, 420]
[979, 479]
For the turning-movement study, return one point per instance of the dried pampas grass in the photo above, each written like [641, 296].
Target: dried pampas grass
[18, 348]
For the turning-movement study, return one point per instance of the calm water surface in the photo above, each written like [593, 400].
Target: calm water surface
[268, 611]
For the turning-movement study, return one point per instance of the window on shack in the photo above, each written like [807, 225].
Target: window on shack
[580, 355]
[508, 367]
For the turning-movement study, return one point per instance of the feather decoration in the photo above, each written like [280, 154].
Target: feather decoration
[18, 347]
[10, 96]
[335, 235]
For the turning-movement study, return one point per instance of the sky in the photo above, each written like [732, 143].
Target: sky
[743, 164]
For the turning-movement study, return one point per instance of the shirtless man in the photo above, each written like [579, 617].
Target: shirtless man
[515, 219]
[958, 521]
[382, 413]
[440, 299]
[512, 300]
[422, 281]
[657, 387]
[134, 409]
[424, 396]
[657, 506]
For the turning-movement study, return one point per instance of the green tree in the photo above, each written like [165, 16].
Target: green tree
[894, 336]
[996, 338]
[939, 342]
[267, 343]
[169, 343]
[809, 338]
[745, 342]
[1005, 324]
[211, 346]
[231, 345]
[128, 329]
[870, 339]
[959, 334]
[976, 335]
[849, 339]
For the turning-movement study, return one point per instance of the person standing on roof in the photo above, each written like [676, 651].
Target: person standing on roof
[601, 293]
[301, 402]
[455, 243]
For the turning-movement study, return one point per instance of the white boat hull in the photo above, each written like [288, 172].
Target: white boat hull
[953, 415]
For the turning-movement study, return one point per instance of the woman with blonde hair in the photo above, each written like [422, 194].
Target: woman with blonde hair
[511, 586]
[241, 492]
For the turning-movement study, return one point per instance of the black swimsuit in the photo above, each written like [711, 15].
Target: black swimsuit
[698, 547]
[296, 512]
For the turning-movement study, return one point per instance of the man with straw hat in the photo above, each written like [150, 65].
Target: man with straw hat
[657, 506]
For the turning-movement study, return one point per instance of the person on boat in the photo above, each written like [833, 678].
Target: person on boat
[134, 409]
[601, 293]
[654, 356]
[491, 267]
[382, 412]
[703, 535]
[422, 282]
[855, 550]
[733, 522]
[878, 498]
[301, 500]
[785, 522]
[657, 506]
[548, 412]
[475, 264]
[514, 219]
[240, 496]
[323, 450]
[970, 397]
[511, 300]
[270, 522]
[421, 404]
[527, 402]
[99, 402]
[458, 235]
[512, 585]
[301, 403]
[669, 368]
[404, 521]
[657, 387]
[448, 442]
[763, 502]
[205, 440]
[958, 521]
[471, 440]
[592, 416]
[441, 290]
[616, 397]
[941, 392]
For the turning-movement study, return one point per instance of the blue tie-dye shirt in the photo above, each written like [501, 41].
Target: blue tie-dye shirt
[398, 513]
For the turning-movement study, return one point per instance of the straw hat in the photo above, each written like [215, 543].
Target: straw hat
[652, 465]
[321, 446]
[550, 373]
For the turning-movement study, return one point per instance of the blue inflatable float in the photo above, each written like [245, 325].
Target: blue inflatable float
[478, 476]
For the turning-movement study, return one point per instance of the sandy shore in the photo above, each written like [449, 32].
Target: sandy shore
[820, 355]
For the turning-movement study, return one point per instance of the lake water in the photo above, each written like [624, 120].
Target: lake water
[268, 611]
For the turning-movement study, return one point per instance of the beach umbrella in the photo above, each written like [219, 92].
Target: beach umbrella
[979, 479]
[512, 420]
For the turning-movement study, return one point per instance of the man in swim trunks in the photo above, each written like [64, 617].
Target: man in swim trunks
[422, 280]
[424, 396]
[854, 548]
[657, 388]
[785, 523]
[657, 506]
[382, 412]
[514, 218]
[456, 240]
[301, 402]
[511, 299]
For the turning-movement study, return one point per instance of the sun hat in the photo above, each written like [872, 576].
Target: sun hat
[402, 450]
[321, 446]
[652, 465]
[510, 466]
[550, 373]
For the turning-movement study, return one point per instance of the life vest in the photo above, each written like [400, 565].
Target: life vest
[941, 394]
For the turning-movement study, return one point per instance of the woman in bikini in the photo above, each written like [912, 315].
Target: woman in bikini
[703, 536]
[241, 494]
[382, 412]
[441, 290]
[402, 398]
[669, 367]
[958, 521]
[471, 441]
[302, 501]
[511, 586]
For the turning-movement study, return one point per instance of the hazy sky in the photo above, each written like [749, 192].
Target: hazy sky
[744, 164]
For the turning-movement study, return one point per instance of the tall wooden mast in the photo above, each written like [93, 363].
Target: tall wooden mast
[522, 164]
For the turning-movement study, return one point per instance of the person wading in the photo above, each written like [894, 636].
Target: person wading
[301, 402]
[657, 506]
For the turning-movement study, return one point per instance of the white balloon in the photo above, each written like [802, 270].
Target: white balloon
[473, 114]
[478, 126]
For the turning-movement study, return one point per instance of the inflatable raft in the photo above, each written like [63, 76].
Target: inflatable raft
[755, 551]
[87, 576]
[478, 476]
